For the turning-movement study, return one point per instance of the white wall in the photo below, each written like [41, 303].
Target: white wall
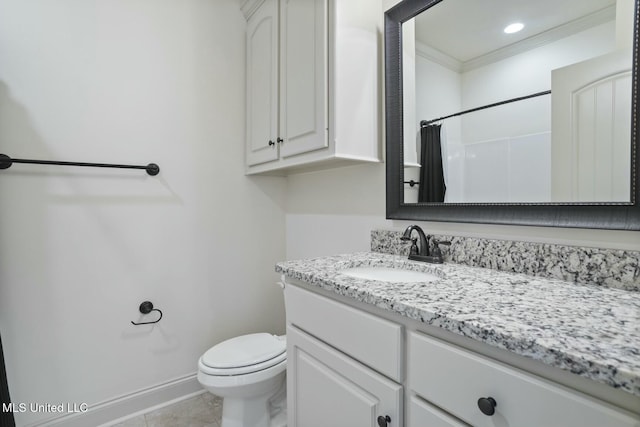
[625, 14]
[520, 75]
[127, 82]
[334, 211]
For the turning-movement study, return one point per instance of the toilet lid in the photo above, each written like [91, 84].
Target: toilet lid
[245, 350]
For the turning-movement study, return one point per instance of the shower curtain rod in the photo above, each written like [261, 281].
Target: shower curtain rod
[521, 98]
[6, 162]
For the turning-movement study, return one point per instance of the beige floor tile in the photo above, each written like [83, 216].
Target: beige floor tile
[215, 403]
[192, 412]
[138, 421]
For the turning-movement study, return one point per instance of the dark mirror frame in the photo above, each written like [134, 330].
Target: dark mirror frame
[617, 216]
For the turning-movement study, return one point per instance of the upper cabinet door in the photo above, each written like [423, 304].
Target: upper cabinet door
[262, 84]
[304, 87]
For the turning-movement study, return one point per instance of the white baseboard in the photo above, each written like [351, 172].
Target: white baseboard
[128, 405]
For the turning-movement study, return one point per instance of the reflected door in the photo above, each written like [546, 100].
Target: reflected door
[591, 130]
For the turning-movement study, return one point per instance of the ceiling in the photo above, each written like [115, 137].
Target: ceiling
[468, 29]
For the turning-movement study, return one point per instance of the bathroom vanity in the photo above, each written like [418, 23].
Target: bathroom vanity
[472, 346]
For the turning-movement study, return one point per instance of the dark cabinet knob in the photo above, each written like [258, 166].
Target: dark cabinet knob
[487, 405]
[271, 142]
[384, 421]
[280, 140]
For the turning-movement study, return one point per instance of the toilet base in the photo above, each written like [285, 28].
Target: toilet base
[245, 412]
[261, 411]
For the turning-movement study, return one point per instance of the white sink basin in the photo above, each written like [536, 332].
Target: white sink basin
[389, 274]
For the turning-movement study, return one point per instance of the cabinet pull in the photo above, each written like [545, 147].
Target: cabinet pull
[271, 142]
[487, 405]
[279, 140]
[383, 421]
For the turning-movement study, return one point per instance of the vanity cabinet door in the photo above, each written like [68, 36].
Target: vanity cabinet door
[328, 388]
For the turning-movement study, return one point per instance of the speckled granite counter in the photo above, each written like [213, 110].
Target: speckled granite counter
[592, 331]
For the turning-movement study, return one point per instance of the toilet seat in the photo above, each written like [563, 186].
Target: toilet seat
[244, 355]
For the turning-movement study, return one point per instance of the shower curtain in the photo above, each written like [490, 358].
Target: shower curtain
[6, 417]
[432, 182]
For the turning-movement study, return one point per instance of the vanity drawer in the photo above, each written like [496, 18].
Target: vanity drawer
[454, 379]
[373, 341]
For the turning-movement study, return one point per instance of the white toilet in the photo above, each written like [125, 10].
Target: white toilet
[248, 372]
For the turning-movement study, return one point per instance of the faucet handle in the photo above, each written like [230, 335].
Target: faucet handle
[436, 248]
[437, 242]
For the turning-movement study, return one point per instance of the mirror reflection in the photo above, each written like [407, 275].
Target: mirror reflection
[533, 113]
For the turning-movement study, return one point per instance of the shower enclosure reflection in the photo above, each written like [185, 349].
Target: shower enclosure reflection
[571, 142]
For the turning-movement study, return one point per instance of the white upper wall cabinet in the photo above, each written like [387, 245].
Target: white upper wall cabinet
[313, 84]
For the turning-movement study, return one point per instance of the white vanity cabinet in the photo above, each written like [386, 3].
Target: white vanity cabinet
[350, 363]
[313, 83]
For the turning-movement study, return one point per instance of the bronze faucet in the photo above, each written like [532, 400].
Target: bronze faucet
[422, 251]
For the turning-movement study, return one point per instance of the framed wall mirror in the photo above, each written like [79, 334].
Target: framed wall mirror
[513, 112]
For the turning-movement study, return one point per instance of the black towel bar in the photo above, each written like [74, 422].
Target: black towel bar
[6, 162]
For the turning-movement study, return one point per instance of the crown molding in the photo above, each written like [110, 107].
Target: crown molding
[439, 57]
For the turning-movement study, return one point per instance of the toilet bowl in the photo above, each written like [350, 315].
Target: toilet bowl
[248, 373]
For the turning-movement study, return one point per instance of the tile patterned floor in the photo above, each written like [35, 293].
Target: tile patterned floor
[203, 410]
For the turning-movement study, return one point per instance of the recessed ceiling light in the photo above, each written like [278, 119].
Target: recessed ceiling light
[513, 28]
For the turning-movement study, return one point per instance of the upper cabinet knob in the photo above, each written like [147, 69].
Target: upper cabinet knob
[487, 405]
[279, 140]
[383, 421]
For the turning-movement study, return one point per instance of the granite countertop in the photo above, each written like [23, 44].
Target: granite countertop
[592, 331]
